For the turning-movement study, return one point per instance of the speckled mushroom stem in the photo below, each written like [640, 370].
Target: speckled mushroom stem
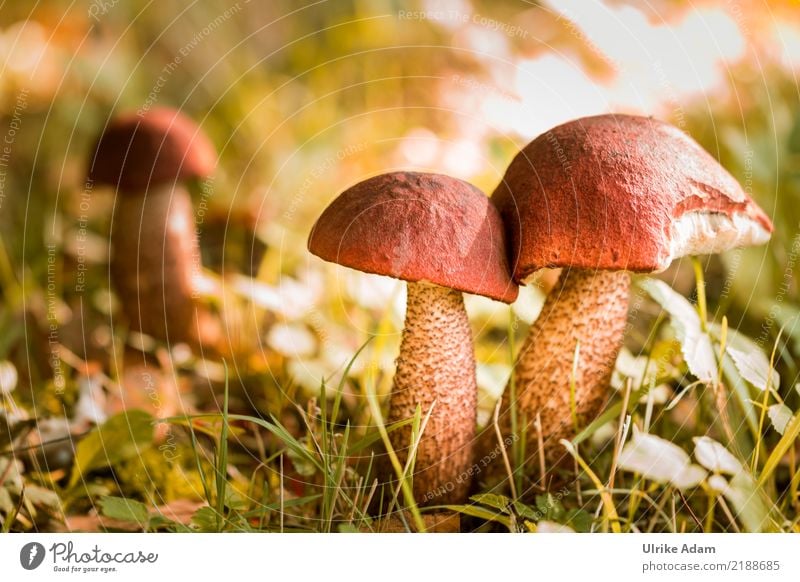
[155, 258]
[585, 306]
[436, 364]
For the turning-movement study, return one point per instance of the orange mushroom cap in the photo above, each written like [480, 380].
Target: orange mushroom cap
[160, 146]
[418, 227]
[621, 192]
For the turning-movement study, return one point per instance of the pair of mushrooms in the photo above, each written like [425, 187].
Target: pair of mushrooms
[598, 197]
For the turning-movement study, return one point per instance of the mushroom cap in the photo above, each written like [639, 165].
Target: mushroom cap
[160, 146]
[621, 192]
[418, 227]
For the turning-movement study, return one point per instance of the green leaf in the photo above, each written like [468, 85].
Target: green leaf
[790, 435]
[754, 367]
[12, 475]
[374, 436]
[124, 509]
[779, 415]
[526, 511]
[750, 507]
[549, 507]
[715, 457]
[43, 497]
[660, 460]
[742, 392]
[205, 519]
[276, 506]
[120, 438]
[481, 513]
[159, 522]
[579, 520]
[301, 463]
[749, 359]
[492, 500]
[6, 503]
[696, 346]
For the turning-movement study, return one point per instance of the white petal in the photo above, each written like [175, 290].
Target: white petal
[715, 457]
[660, 460]
[654, 457]
[754, 367]
[690, 476]
[780, 415]
[718, 483]
[8, 377]
[292, 340]
[695, 344]
[552, 527]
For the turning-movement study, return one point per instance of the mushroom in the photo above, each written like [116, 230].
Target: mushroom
[601, 197]
[155, 256]
[444, 237]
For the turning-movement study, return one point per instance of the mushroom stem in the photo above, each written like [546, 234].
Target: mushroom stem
[436, 368]
[587, 308]
[155, 258]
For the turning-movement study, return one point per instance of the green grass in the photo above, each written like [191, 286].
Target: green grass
[253, 472]
[321, 477]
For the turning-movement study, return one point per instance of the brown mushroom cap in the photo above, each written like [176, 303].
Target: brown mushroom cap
[160, 146]
[418, 227]
[621, 192]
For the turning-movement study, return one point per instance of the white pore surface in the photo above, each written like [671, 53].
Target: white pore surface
[704, 233]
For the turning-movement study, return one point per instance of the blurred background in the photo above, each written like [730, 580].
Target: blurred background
[302, 100]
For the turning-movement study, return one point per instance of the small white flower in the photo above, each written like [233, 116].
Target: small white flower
[211, 370]
[292, 340]
[642, 371]
[715, 457]
[660, 460]
[291, 298]
[698, 351]
[181, 354]
[779, 415]
[754, 367]
[309, 374]
[91, 404]
[8, 377]
[718, 483]
[552, 527]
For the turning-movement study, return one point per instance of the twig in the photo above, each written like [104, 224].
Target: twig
[619, 441]
[540, 445]
[501, 444]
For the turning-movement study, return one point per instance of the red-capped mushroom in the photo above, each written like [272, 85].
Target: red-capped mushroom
[444, 237]
[601, 197]
[155, 255]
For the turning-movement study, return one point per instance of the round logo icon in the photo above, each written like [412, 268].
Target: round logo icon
[31, 555]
